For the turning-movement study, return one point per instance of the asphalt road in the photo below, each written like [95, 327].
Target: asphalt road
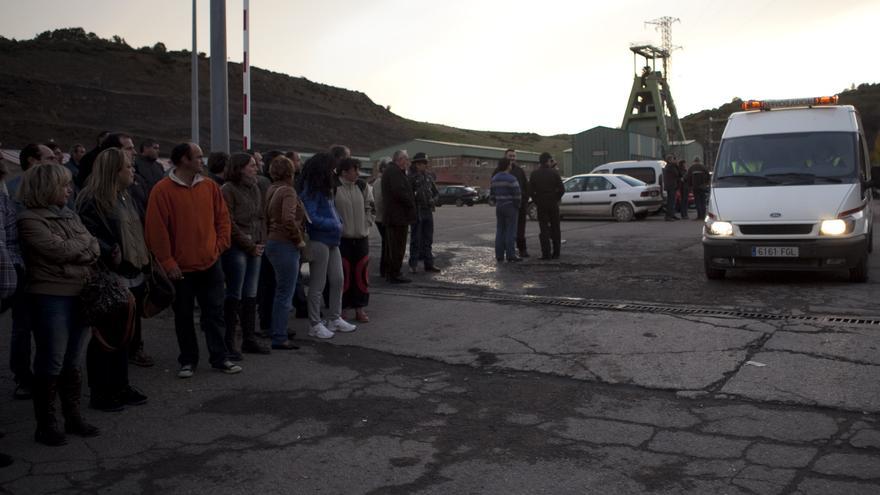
[616, 369]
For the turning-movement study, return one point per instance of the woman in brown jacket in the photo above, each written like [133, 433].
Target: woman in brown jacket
[59, 254]
[285, 215]
[241, 262]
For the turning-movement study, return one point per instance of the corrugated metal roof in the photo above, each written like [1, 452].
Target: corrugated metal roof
[475, 150]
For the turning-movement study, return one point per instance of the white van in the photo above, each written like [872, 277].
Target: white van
[648, 171]
[791, 190]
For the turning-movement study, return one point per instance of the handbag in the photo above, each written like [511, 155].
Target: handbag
[109, 308]
[103, 297]
[160, 290]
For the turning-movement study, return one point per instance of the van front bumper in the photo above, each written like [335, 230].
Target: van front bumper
[813, 254]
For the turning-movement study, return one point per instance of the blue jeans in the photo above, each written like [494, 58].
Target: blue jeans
[284, 257]
[242, 273]
[421, 240]
[59, 333]
[505, 231]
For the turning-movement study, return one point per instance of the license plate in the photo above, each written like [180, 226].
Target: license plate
[774, 252]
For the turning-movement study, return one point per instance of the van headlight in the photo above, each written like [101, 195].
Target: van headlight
[840, 226]
[833, 227]
[718, 228]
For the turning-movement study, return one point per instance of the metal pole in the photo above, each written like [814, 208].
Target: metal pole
[246, 76]
[219, 83]
[194, 80]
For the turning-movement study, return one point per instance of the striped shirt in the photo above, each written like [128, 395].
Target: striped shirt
[504, 189]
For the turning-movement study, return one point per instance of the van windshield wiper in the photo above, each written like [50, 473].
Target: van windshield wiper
[796, 175]
[835, 180]
[750, 178]
[806, 175]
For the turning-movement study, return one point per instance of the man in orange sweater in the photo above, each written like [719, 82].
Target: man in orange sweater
[187, 228]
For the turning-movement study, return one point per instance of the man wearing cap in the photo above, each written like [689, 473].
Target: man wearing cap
[399, 204]
[421, 242]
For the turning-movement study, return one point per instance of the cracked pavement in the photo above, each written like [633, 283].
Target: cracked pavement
[470, 394]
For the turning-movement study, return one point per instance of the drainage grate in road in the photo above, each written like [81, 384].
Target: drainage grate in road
[637, 307]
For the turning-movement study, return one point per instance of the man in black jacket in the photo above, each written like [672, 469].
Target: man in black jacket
[671, 180]
[148, 172]
[400, 212]
[546, 191]
[422, 232]
[115, 140]
[520, 175]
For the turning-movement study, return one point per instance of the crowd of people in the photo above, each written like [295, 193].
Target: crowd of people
[680, 181]
[229, 233]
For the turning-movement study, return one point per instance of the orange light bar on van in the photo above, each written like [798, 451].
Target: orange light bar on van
[827, 100]
[793, 102]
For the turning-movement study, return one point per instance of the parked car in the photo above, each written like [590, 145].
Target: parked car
[482, 194]
[648, 171]
[457, 195]
[606, 195]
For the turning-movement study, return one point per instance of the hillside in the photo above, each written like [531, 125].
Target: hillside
[68, 85]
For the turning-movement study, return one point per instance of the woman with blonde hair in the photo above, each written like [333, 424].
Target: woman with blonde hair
[109, 212]
[285, 216]
[59, 253]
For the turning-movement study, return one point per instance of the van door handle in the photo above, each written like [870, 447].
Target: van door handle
[576, 196]
[612, 196]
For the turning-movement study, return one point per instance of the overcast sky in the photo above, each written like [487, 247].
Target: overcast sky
[549, 66]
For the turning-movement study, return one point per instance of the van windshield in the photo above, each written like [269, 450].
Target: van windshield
[787, 159]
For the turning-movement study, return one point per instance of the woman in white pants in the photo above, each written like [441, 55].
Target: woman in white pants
[325, 232]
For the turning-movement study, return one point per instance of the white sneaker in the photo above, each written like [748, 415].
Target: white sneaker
[340, 325]
[320, 331]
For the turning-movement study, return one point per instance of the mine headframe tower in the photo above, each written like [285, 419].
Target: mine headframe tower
[650, 110]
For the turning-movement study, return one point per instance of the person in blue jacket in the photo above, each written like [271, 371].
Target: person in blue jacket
[324, 227]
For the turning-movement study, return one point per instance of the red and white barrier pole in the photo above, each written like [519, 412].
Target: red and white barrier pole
[246, 75]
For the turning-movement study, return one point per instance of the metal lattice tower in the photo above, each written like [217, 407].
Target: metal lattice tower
[664, 25]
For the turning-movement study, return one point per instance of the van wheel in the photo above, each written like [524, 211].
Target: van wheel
[459, 202]
[532, 211]
[712, 273]
[859, 273]
[622, 212]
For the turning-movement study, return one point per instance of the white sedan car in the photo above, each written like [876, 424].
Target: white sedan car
[608, 195]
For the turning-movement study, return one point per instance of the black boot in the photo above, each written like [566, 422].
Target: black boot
[248, 328]
[231, 311]
[70, 387]
[44, 392]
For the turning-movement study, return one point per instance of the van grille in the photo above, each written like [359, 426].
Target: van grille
[777, 229]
